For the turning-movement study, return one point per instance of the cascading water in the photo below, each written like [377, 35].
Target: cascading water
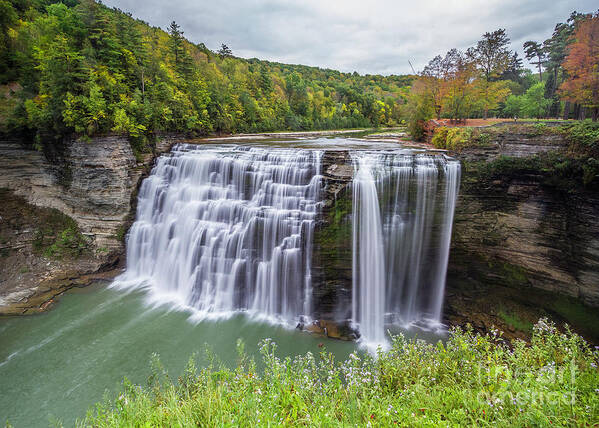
[221, 229]
[403, 209]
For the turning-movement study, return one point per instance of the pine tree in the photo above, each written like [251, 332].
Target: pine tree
[176, 41]
[535, 53]
[224, 51]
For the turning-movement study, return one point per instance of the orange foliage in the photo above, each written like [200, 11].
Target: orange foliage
[582, 65]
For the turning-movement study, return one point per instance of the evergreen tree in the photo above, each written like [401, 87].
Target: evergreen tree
[224, 51]
[176, 41]
[535, 53]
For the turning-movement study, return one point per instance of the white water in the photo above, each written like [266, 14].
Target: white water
[403, 213]
[222, 229]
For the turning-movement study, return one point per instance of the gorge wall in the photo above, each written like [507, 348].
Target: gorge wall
[91, 183]
[522, 234]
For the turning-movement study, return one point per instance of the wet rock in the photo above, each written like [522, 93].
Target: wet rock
[333, 329]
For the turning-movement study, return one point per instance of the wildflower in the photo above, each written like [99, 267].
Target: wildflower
[593, 365]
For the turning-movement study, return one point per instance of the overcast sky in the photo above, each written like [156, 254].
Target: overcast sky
[368, 36]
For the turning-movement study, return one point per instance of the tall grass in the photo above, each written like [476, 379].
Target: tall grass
[470, 379]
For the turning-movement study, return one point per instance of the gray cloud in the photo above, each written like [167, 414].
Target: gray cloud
[378, 36]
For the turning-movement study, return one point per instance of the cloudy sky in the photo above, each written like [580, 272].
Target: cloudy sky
[368, 36]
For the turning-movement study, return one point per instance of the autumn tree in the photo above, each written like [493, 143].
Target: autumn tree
[582, 66]
[434, 79]
[460, 92]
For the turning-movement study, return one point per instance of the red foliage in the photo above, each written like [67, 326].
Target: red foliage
[582, 65]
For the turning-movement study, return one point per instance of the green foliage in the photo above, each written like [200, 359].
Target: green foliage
[59, 237]
[513, 106]
[68, 243]
[86, 69]
[470, 380]
[514, 321]
[534, 103]
[583, 136]
[584, 148]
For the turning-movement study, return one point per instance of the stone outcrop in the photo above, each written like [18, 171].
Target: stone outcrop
[94, 182]
[332, 251]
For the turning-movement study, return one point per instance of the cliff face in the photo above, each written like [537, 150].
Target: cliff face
[516, 217]
[523, 246]
[93, 183]
[332, 252]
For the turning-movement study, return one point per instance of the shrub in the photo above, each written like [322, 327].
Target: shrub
[455, 138]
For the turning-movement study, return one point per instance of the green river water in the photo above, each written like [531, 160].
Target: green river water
[55, 366]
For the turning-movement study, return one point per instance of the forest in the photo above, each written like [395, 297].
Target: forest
[489, 79]
[79, 68]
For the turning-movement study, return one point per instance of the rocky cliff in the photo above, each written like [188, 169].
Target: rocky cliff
[93, 182]
[525, 244]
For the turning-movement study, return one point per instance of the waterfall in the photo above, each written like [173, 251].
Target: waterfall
[403, 205]
[222, 229]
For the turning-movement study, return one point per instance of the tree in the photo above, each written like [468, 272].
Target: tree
[224, 51]
[492, 57]
[582, 66]
[435, 78]
[513, 105]
[491, 93]
[514, 69]
[535, 53]
[8, 17]
[460, 94]
[176, 41]
[491, 54]
[534, 103]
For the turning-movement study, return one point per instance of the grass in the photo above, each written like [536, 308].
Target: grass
[470, 380]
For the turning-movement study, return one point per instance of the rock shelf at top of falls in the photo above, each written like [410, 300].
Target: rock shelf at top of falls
[229, 228]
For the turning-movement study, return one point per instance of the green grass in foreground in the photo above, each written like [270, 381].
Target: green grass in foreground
[470, 380]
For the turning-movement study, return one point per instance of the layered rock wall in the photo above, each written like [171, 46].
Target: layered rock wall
[538, 234]
[94, 182]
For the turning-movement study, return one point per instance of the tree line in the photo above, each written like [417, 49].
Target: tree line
[489, 78]
[79, 68]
